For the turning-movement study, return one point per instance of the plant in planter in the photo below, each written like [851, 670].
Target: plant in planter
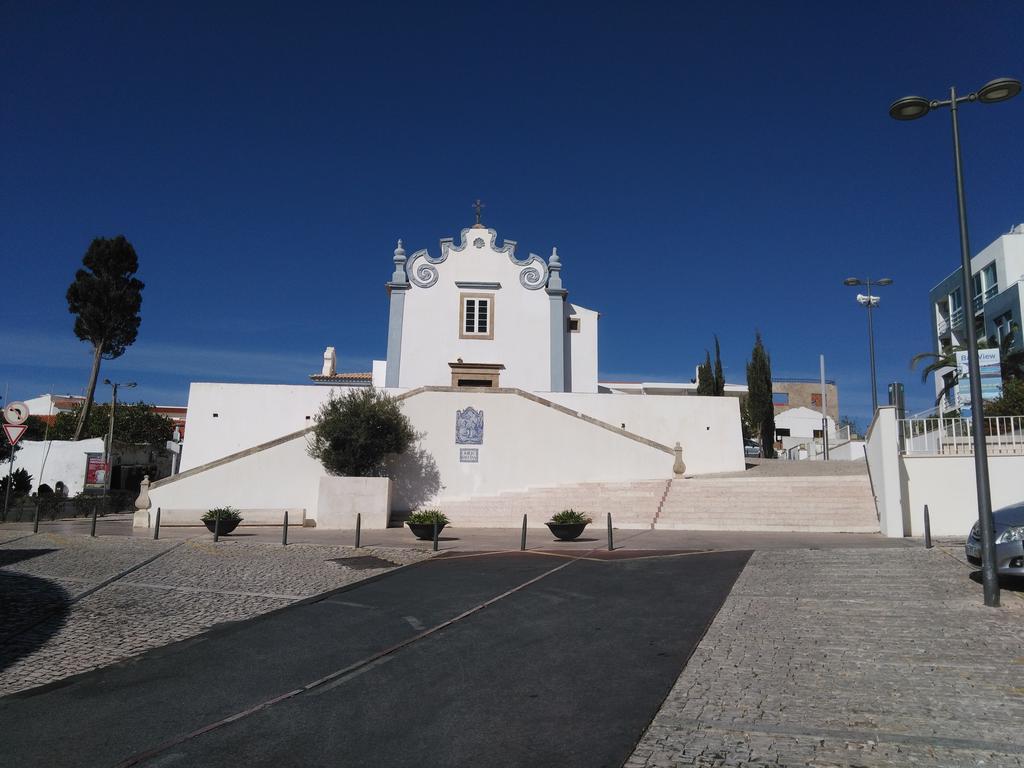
[568, 524]
[421, 523]
[229, 520]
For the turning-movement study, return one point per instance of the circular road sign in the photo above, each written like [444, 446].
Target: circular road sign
[16, 413]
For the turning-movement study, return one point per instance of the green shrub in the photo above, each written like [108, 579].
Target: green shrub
[20, 481]
[355, 433]
[224, 514]
[570, 517]
[428, 517]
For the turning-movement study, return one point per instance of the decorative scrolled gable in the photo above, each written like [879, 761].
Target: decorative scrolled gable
[422, 267]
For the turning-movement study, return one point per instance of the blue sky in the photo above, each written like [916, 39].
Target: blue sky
[702, 167]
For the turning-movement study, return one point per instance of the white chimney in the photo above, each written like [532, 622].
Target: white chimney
[330, 362]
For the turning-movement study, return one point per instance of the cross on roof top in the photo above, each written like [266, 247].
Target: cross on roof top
[477, 206]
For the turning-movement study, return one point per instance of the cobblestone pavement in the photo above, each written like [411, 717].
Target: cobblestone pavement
[861, 657]
[69, 604]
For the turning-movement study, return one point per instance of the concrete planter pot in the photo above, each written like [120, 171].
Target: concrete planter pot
[226, 526]
[425, 531]
[566, 531]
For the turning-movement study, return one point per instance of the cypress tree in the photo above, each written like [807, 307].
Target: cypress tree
[705, 379]
[759, 397]
[719, 376]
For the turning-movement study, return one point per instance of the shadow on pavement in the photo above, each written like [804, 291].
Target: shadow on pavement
[32, 609]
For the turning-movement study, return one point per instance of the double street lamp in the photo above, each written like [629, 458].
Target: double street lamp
[870, 302]
[911, 108]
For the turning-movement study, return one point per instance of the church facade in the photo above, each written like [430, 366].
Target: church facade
[497, 370]
[477, 315]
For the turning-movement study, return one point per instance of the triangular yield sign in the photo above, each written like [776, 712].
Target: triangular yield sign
[15, 432]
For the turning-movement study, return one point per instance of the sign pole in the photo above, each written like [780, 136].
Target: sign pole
[10, 480]
[15, 414]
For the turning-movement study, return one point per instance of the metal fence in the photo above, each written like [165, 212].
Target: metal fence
[938, 436]
[57, 508]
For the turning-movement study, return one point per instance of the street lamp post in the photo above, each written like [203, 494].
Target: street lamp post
[911, 108]
[870, 302]
[110, 432]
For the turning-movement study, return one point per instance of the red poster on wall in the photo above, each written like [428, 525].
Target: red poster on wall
[96, 470]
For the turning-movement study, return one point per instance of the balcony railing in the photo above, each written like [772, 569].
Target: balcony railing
[957, 317]
[992, 291]
[1004, 435]
[943, 325]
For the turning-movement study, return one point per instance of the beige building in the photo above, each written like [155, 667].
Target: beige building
[805, 393]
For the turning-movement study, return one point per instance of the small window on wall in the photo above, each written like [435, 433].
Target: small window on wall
[780, 398]
[816, 399]
[476, 316]
[781, 432]
[574, 325]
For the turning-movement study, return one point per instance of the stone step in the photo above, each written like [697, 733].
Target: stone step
[811, 503]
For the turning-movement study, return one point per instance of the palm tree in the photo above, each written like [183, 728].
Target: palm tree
[1011, 361]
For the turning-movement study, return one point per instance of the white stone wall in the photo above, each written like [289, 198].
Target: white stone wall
[583, 350]
[526, 443]
[58, 460]
[904, 484]
[247, 415]
[947, 485]
[277, 478]
[883, 456]
[707, 427]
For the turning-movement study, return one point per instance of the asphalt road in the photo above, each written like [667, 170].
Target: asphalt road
[514, 659]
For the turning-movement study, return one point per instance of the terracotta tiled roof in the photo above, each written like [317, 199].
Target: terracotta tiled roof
[349, 377]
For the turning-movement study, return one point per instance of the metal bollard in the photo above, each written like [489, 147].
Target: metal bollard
[359, 527]
[522, 543]
[611, 545]
[216, 528]
[435, 535]
[93, 531]
[927, 529]
[156, 525]
[35, 523]
[284, 530]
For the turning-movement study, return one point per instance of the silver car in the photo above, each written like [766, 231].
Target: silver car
[1009, 529]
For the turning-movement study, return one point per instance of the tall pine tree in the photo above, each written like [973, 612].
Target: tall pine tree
[105, 299]
[759, 397]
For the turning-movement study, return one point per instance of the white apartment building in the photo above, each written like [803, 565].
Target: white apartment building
[997, 283]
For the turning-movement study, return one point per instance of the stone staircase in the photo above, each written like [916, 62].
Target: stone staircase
[632, 505]
[736, 502]
[837, 503]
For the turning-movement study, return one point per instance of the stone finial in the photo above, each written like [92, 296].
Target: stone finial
[677, 466]
[143, 501]
[399, 273]
[330, 362]
[554, 271]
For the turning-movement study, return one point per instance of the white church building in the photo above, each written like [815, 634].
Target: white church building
[498, 372]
